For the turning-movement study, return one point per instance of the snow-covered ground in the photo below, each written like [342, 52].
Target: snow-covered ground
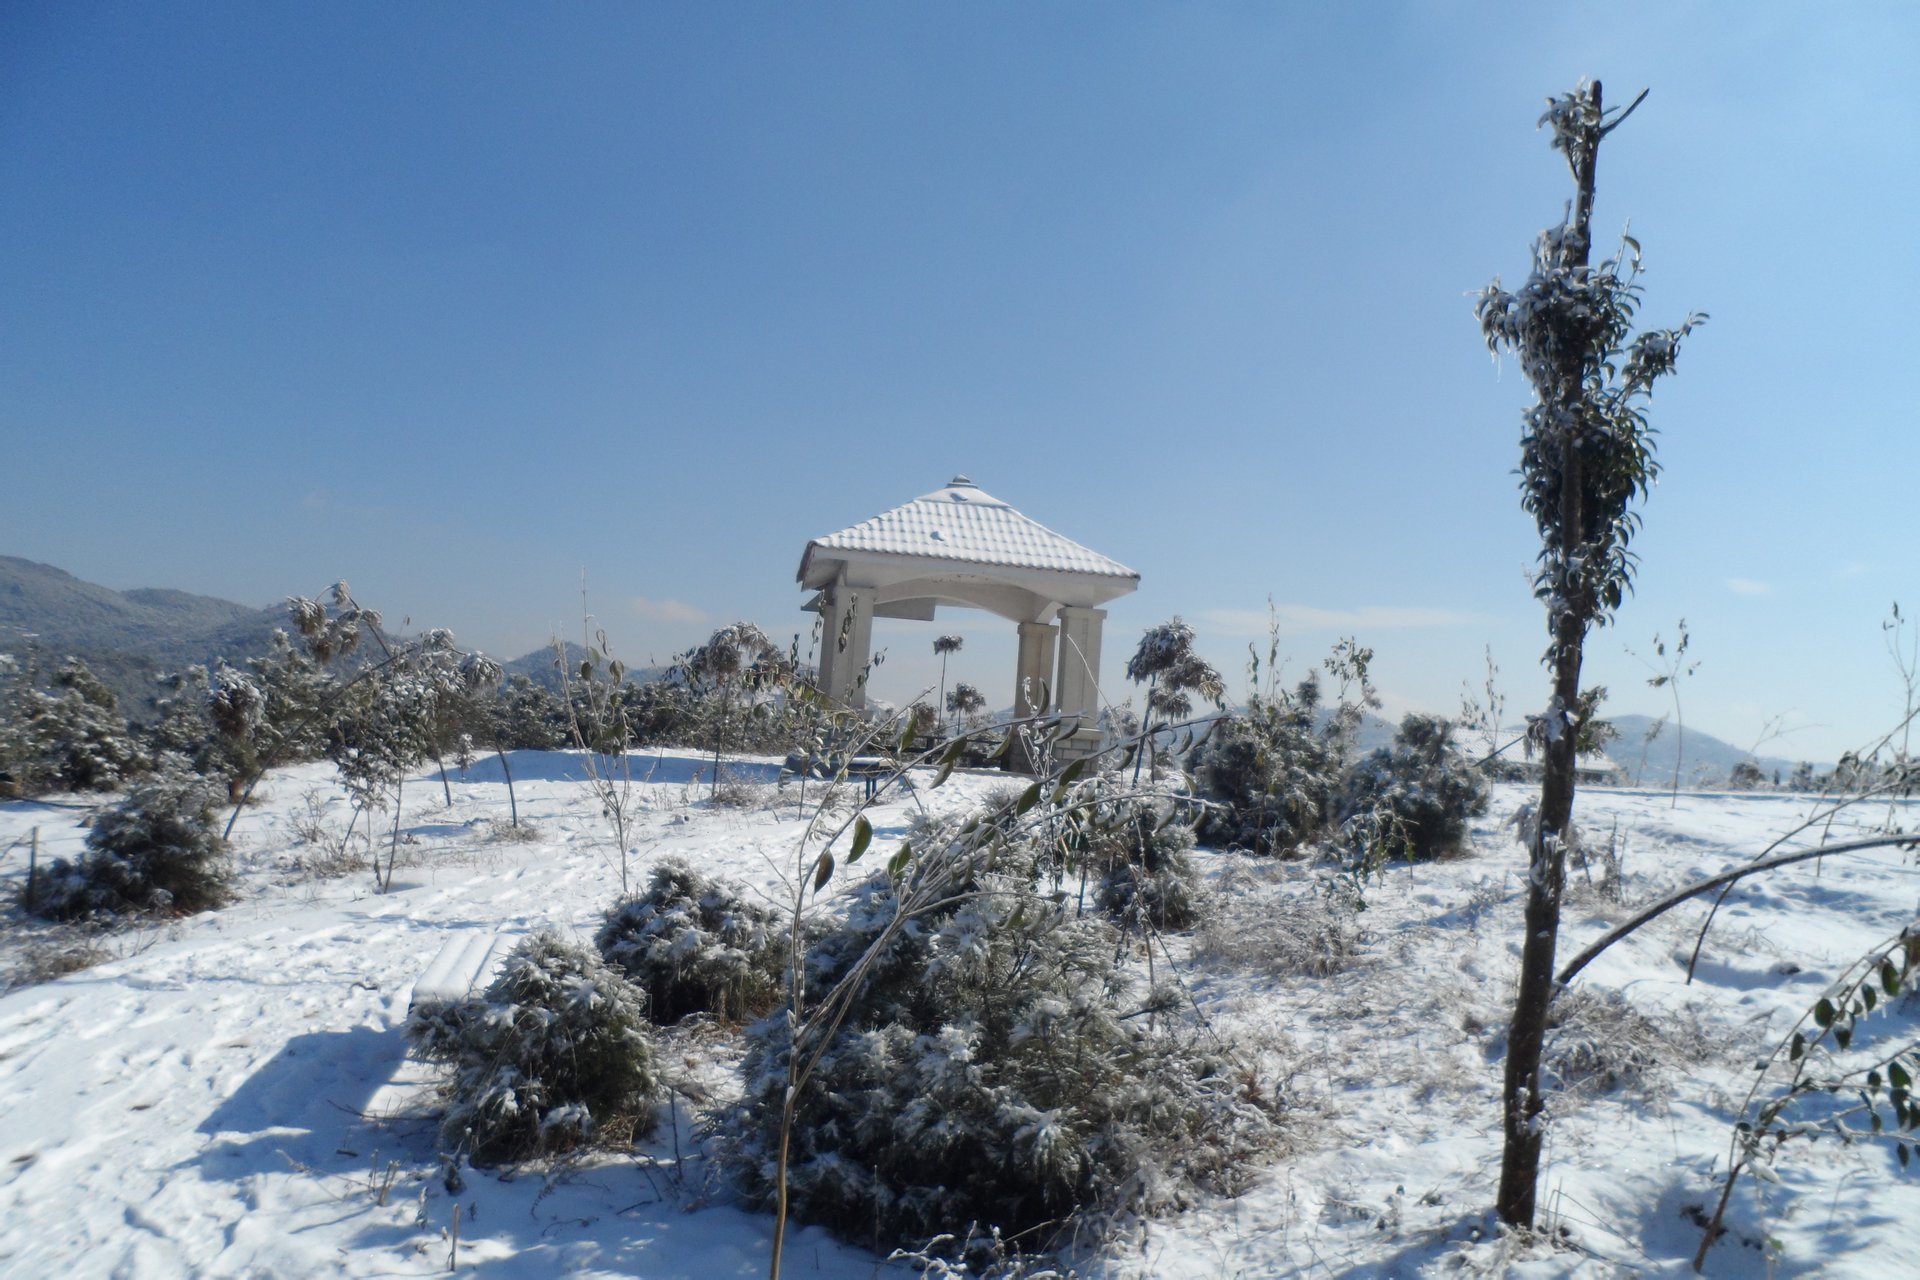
[228, 1094]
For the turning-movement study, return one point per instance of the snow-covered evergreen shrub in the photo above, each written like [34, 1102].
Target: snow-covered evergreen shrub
[67, 737]
[1271, 774]
[1146, 873]
[156, 851]
[556, 1054]
[694, 945]
[530, 716]
[997, 1066]
[1413, 799]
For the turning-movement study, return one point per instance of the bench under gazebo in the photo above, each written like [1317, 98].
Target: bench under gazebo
[960, 547]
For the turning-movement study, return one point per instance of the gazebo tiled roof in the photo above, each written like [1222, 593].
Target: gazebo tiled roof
[964, 524]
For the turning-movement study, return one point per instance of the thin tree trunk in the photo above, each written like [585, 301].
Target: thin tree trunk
[513, 805]
[393, 849]
[1146, 731]
[1521, 1102]
[1679, 743]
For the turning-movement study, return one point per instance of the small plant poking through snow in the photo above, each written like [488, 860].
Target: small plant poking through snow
[555, 1055]
[694, 945]
[997, 1066]
[156, 851]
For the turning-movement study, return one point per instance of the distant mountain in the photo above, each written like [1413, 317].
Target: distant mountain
[126, 637]
[1705, 759]
[539, 667]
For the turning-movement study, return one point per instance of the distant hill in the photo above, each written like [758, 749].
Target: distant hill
[126, 637]
[538, 667]
[1706, 760]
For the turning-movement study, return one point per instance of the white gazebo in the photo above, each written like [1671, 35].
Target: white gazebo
[960, 546]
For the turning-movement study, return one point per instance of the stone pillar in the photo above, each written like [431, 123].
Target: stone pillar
[832, 614]
[850, 665]
[1077, 691]
[1033, 684]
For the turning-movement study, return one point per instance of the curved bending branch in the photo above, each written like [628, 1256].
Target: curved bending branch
[1698, 887]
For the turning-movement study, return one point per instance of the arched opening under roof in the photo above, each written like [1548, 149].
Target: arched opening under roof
[960, 547]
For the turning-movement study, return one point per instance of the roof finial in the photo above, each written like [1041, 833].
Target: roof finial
[960, 481]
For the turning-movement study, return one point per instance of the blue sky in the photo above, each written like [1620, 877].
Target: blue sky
[462, 302]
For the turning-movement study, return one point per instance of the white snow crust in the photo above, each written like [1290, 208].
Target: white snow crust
[223, 1095]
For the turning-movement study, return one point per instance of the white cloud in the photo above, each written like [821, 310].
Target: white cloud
[1749, 587]
[1293, 619]
[665, 610]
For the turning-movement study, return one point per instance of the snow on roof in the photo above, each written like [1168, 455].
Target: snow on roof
[963, 522]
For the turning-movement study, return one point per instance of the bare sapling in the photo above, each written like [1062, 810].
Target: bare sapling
[1173, 672]
[591, 692]
[1669, 667]
[1586, 458]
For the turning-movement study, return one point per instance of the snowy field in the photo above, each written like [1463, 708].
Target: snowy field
[230, 1095]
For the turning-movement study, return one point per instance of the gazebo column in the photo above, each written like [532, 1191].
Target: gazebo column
[833, 616]
[850, 667]
[1032, 686]
[1077, 691]
[849, 613]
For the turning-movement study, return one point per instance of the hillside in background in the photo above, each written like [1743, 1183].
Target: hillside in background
[539, 667]
[126, 637]
[1705, 759]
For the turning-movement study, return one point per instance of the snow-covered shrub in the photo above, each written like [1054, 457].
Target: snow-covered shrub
[1271, 774]
[996, 1066]
[694, 945]
[1597, 1041]
[1146, 873]
[156, 851]
[556, 1054]
[1251, 927]
[741, 793]
[1413, 799]
[68, 737]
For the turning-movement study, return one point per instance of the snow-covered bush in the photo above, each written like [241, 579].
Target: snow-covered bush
[68, 737]
[694, 945]
[1146, 873]
[996, 1066]
[1598, 1042]
[156, 851]
[556, 1054]
[1250, 926]
[1413, 799]
[1271, 774]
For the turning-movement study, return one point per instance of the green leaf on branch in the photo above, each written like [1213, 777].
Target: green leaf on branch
[949, 760]
[825, 872]
[862, 837]
[1823, 1012]
[898, 862]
